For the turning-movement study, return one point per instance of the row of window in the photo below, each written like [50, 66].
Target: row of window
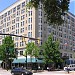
[64, 41]
[21, 30]
[17, 24]
[65, 54]
[13, 10]
[17, 12]
[17, 19]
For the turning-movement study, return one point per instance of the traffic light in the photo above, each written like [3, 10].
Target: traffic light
[23, 39]
[38, 41]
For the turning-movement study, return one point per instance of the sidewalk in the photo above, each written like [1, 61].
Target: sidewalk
[45, 72]
[55, 73]
[4, 72]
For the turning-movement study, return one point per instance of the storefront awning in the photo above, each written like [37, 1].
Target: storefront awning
[19, 61]
[23, 60]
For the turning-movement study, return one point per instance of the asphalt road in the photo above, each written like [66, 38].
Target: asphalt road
[5, 72]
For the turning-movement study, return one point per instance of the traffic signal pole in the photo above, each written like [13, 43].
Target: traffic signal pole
[23, 37]
[26, 60]
[19, 36]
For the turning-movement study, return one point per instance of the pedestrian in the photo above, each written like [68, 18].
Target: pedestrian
[68, 70]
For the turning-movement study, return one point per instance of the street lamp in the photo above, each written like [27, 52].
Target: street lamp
[23, 39]
[26, 60]
[7, 57]
[36, 65]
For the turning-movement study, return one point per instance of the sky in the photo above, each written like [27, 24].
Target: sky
[72, 6]
[6, 3]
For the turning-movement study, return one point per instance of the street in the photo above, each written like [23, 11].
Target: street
[5, 72]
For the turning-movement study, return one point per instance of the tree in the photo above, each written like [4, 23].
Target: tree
[51, 52]
[7, 52]
[54, 9]
[32, 50]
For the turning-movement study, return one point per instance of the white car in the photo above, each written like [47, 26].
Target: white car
[70, 67]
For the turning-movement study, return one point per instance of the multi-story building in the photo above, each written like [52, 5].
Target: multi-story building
[65, 33]
[30, 22]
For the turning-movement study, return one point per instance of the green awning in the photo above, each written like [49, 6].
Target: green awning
[23, 60]
[19, 61]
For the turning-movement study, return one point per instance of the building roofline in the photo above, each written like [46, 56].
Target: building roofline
[71, 13]
[9, 6]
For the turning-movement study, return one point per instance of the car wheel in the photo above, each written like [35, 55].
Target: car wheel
[22, 74]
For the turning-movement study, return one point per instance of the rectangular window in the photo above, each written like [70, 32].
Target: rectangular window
[31, 19]
[17, 31]
[17, 18]
[22, 11]
[16, 44]
[14, 9]
[21, 52]
[21, 30]
[28, 34]
[28, 27]
[18, 7]
[23, 4]
[17, 25]
[28, 20]
[31, 26]
[18, 12]
[23, 23]
[5, 14]
[40, 34]
[9, 12]
[29, 13]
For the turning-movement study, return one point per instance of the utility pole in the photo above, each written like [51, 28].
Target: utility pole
[7, 58]
[26, 60]
[23, 39]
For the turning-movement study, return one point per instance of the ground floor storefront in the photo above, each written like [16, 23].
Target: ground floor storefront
[29, 63]
[33, 63]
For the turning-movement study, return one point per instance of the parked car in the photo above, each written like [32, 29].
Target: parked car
[20, 71]
[70, 67]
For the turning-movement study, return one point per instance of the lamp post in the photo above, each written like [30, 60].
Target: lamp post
[26, 60]
[36, 65]
[23, 39]
[7, 57]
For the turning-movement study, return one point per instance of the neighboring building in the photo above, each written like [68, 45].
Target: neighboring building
[66, 35]
[20, 20]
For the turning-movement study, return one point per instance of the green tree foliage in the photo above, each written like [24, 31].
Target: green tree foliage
[2, 52]
[54, 9]
[51, 51]
[7, 48]
[32, 49]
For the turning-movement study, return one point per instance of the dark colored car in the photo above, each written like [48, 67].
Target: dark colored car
[20, 71]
